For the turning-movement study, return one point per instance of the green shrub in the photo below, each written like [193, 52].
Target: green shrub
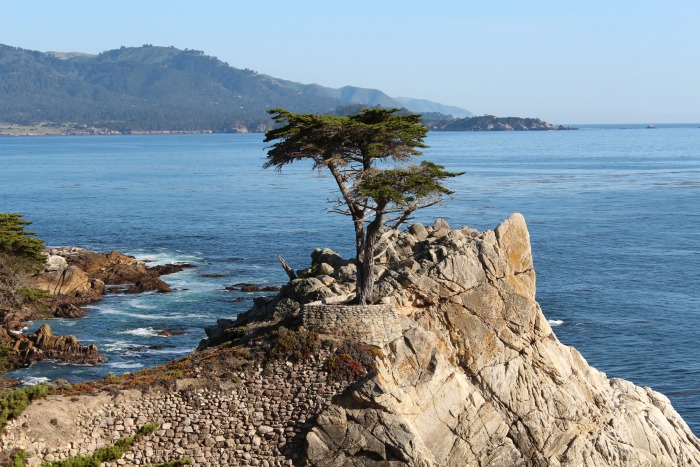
[352, 361]
[14, 402]
[147, 429]
[293, 345]
[177, 463]
[32, 294]
[19, 458]
[76, 461]
[106, 453]
[7, 355]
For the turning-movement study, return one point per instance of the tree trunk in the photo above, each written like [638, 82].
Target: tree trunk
[365, 260]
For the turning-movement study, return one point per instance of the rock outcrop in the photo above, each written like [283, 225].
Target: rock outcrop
[80, 276]
[477, 377]
[483, 380]
[43, 345]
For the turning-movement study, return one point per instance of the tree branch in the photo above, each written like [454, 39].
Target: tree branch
[355, 211]
[290, 272]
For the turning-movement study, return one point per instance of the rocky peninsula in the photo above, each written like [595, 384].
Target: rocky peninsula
[455, 364]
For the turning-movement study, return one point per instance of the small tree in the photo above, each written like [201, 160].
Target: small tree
[16, 241]
[350, 147]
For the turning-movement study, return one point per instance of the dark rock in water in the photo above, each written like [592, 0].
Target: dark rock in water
[170, 332]
[212, 275]
[155, 347]
[243, 287]
[149, 284]
[165, 269]
[67, 310]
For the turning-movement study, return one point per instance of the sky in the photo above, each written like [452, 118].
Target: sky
[612, 61]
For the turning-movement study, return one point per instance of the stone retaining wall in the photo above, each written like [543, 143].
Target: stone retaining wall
[372, 324]
[261, 420]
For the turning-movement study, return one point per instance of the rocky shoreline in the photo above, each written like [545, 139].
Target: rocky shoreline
[465, 370]
[73, 277]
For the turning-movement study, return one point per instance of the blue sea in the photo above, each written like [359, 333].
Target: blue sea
[613, 212]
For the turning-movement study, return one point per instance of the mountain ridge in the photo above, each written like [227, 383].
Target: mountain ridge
[154, 88]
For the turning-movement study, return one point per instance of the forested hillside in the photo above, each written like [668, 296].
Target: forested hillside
[144, 88]
[151, 88]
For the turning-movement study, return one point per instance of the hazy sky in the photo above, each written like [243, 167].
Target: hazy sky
[565, 62]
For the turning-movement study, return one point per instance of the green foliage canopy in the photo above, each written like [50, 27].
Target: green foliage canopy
[16, 241]
[366, 154]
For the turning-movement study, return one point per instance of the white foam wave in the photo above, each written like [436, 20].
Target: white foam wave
[555, 322]
[125, 365]
[173, 316]
[138, 303]
[141, 332]
[155, 259]
[124, 347]
[21, 331]
[32, 380]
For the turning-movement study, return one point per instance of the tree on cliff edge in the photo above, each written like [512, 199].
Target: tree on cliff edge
[378, 199]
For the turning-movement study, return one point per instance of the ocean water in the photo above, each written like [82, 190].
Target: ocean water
[613, 213]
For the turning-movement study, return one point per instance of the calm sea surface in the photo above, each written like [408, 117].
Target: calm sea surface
[614, 216]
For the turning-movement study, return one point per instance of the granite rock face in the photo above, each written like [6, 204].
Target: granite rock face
[481, 379]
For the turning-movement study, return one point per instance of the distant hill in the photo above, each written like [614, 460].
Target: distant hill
[152, 88]
[424, 107]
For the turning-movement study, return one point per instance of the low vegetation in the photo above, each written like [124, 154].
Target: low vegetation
[293, 345]
[13, 402]
[352, 361]
[18, 458]
[177, 463]
[8, 358]
[107, 453]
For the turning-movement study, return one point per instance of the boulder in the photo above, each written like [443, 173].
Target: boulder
[328, 256]
[64, 279]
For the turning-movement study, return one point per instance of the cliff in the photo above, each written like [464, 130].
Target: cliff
[467, 372]
[474, 375]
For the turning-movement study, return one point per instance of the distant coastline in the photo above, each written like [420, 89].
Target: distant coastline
[485, 123]
[482, 123]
